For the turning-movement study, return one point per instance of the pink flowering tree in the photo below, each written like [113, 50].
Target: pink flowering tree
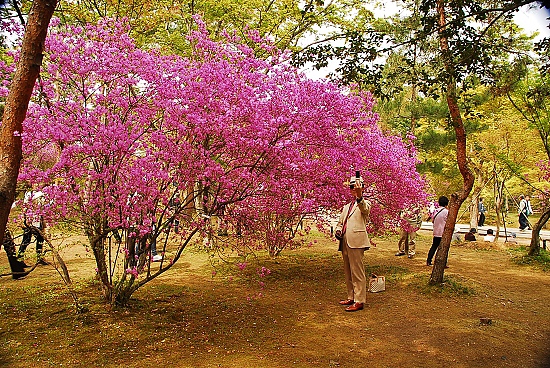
[136, 145]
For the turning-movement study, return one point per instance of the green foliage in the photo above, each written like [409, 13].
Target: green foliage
[529, 96]
[432, 139]
[542, 48]
[399, 59]
[400, 111]
[540, 261]
[166, 24]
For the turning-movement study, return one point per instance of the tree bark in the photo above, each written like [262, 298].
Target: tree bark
[534, 246]
[459, 197]
[17, 102]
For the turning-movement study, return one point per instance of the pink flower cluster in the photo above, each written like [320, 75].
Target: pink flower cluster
[115, 133]
[133, 271]
[263, 271]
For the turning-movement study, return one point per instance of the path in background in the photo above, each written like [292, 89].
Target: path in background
[512, 232]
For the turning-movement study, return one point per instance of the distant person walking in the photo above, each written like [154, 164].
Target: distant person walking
[524, 212]
[439, 219]
[481, 209]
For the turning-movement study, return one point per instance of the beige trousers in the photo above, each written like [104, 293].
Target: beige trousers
[412, 244]
[356, 280]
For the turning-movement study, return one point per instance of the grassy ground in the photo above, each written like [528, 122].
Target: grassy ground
[188, 318]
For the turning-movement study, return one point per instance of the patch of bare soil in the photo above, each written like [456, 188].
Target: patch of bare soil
[480, 245]
[187, 318]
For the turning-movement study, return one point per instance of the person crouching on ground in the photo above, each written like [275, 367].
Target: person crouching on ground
[470, 236]
[352, 233]
[490, 237]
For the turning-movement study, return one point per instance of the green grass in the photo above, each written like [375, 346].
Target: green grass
[540, 261]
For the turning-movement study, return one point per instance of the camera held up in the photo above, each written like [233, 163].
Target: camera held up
[356, 180]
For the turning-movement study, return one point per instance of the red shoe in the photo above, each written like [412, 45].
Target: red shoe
[346, 302]
[354, 307]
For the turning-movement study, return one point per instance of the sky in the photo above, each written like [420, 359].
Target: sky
[534, 20]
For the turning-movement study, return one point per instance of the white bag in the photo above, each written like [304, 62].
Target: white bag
[377, 283]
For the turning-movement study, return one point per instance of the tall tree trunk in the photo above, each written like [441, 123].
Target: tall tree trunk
[17, 102]
[414, 117]
[459, 197]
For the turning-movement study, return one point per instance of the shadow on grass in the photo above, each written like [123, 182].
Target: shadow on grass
[322, 270]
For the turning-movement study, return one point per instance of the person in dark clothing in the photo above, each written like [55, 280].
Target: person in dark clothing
[481, 208]
[34, 226]
[17, 266]
[470, 236]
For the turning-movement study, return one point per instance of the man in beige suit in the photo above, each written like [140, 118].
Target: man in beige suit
[352, 232]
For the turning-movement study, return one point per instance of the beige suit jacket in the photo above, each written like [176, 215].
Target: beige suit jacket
[356, 229]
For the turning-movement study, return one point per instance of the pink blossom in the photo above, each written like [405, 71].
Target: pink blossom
[133, 271]
[263, 272]
[253, 139]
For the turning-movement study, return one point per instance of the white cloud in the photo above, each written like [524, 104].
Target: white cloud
[533, 19]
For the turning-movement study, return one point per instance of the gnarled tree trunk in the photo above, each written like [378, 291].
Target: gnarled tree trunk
[17, 102]
[459, 197]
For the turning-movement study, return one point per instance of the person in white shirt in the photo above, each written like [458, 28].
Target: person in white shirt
[524, 211]
[439, 219]
[490, 237]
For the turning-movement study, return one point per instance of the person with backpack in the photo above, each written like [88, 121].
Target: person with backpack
[524, 212]
[408, 231]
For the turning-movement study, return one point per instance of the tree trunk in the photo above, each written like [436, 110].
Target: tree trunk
[459, 197]
[474, 212]
[534, 247]
[17, 102]
[98, 249]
